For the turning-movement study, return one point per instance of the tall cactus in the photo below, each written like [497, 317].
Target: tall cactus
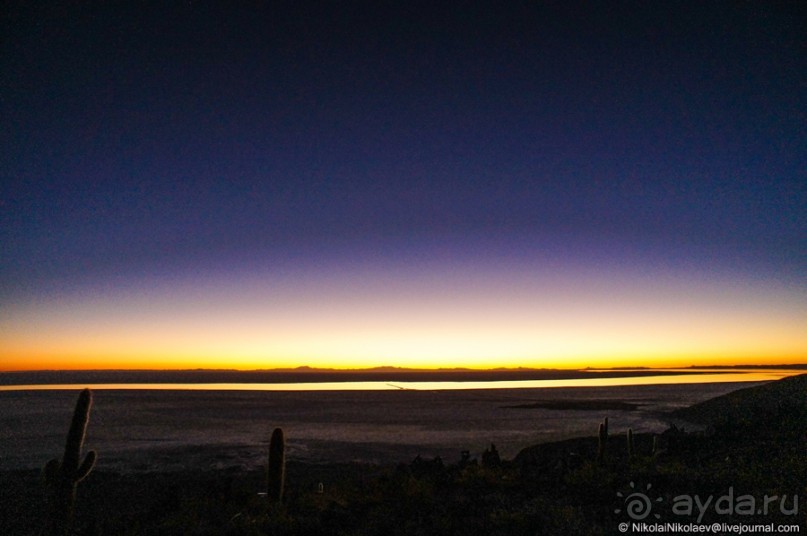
[277, 466]
[603, 440]
[64, 476]
[631, 450]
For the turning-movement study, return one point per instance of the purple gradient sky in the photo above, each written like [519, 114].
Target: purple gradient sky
[157, 146]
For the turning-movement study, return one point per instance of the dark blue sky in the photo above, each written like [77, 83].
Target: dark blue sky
[154, 141]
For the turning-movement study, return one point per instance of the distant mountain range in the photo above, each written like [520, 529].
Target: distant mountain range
[318, 375]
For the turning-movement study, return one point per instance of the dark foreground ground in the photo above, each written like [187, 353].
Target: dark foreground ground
[752, 450]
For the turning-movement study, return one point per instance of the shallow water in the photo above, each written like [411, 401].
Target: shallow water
[171, 429]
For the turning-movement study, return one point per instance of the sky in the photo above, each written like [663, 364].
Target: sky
[537, 184]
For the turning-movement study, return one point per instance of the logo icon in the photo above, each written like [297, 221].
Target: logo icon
[637, 504]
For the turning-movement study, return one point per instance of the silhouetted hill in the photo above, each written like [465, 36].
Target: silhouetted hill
[779, 407]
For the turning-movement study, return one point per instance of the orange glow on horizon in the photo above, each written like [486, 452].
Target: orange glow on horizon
[121, 361]
[455, 321]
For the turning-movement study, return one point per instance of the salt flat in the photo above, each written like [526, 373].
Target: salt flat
[162, 429]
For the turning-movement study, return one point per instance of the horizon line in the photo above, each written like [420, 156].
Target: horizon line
[389, 368]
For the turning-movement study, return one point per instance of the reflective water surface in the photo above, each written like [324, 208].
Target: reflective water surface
[686, 376]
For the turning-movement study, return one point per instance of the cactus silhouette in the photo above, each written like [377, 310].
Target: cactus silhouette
[277, 466]
[631, 450]
[490, 458]
[64, 476]
[603, 439]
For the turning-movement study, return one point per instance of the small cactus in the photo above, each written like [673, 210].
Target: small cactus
[603, 439]
[277, 466]
[631, 450]
[490, 458]
[64, 476]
